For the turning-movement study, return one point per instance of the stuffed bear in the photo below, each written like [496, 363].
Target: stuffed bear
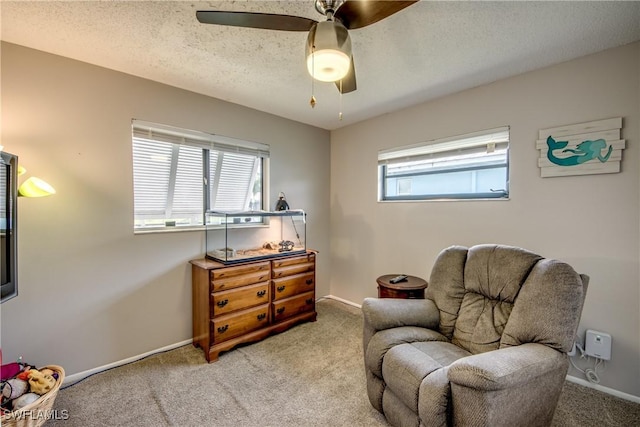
[39, 382]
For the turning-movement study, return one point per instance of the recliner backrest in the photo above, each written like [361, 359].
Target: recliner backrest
[493, 275]
[446, 286]
[548, 308]
[477, 291]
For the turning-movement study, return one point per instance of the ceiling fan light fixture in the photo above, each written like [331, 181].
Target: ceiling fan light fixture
[328, 65]
[328, 51]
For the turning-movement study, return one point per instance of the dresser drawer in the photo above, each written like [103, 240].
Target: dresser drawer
[239, 270]
[230, 282]
[304, 259]
[292, 285]
[289, 268]
[288, 307]
[233, 325]
[236, 299]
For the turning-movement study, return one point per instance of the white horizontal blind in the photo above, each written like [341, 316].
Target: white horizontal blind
[478, 142]
[173, 135]
[188, 196]
[171, 175]
[236, 176]
[151, 172]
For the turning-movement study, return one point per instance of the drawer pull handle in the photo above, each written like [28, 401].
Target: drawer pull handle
[222, 303]
[309, 281]
[261, 316]
[223, 329]
[309, 300]
[281, 288]
[280, 310]
[261, 293]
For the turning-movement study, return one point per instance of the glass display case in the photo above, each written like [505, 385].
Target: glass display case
[233, 237]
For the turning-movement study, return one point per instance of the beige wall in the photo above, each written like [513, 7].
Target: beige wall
[90, 291]
[591, 222]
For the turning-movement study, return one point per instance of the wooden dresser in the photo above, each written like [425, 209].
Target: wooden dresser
[240, 303]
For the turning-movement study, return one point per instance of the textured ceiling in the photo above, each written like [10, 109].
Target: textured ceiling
[426, 51]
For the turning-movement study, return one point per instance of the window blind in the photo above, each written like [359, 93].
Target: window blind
[236, 180]
[486, 141]
[151, 171]
[173, 135]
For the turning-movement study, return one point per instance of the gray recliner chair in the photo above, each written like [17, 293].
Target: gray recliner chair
[486, 347]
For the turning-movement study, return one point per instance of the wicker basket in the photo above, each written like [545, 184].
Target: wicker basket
[35, 414]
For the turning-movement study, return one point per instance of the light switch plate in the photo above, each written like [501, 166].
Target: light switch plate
[598, 344]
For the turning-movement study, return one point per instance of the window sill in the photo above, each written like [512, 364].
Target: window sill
[152, 230]
[177, 229]
[447, 200]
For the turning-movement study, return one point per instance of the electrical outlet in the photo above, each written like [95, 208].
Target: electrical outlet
[598, 344]
[573, 350]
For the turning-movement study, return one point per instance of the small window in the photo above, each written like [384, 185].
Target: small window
[472, 166]
[178, 174]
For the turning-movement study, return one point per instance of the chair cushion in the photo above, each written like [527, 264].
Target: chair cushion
[382, 341]
[480, 323]
[493, 276]
[406, 365]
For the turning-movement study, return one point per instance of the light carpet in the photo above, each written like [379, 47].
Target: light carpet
[310, 375]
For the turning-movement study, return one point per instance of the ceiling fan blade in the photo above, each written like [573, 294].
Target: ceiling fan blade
[360, 13]
[349, 81]
[267, 21]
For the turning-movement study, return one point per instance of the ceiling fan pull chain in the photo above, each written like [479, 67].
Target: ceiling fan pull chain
[340, 113]
[312, 102]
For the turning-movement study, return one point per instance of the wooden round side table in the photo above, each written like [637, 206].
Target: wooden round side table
[413, 287]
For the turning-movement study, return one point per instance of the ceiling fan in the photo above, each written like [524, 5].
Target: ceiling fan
[328, 50]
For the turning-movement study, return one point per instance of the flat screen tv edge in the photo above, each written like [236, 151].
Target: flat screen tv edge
[8, 226]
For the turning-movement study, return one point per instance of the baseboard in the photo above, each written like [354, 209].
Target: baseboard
[570, 378]
[333, 297]
[604, 389]
[72, 379]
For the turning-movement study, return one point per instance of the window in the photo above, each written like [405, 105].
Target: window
[472, 166]
[179, 174]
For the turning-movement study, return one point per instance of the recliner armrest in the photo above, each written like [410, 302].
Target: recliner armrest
[506, 367]
[386, 313]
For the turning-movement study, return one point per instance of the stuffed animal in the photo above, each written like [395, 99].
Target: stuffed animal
[14, 388]
[24, 375]
[24, 400]
[47, 371]
[39, 382]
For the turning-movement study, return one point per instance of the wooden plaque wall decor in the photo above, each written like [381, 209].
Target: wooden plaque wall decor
[581, 149]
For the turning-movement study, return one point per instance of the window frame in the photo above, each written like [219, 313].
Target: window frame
[445, 148]
[154, 132]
